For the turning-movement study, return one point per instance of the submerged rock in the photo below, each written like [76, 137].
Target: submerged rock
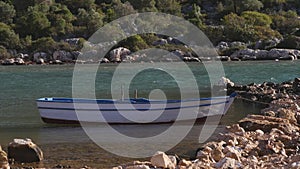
[24, 150]
[264, 123]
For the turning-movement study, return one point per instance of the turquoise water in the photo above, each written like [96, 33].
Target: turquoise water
[21, 85]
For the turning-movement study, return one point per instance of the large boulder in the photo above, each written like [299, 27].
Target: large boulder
[273, 54]
[39, 55]
[118, 54]
[63, 56]
[8, 61]
[19, 61]
[283, 54]
[242, 53]
[296, 85]
[24, 150]
[160, 42]
[3, 160]
[225, 82]
[73, 41]
[160, 159]
[222, 46]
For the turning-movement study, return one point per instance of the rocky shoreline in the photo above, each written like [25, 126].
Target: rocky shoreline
[269, 140]
[227, 51]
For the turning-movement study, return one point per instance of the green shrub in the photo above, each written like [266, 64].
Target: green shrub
[8, 38]
[290, 42]
[214, 33]
[285, 22]
[257, 18]
[134, 43]
[246, 28]
[3, 53]
[45, 44]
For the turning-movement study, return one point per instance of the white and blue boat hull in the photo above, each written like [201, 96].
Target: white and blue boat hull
[130, 111]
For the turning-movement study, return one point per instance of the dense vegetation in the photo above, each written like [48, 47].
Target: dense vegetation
[42, 25]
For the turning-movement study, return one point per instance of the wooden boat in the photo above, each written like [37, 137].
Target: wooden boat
[130, 111]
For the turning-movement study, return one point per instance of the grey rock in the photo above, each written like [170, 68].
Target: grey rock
[160, 42]
[118, 54]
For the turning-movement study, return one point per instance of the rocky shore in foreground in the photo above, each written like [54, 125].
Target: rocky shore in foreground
[268, 140]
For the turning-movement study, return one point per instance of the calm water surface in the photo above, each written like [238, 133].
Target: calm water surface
[21, 85]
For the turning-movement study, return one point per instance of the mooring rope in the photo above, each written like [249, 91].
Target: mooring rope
[254, 101]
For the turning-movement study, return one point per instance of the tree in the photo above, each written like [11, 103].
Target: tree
[21, 6]
[251, 5]
[74, 5]
[119, 9]
[169, 6]
[238, 28]
[285, 22]
[34, 23]
[273, 3]
[61, 20]
[195, 16]
[9, 39]
[143, 5]
[3, 53]
[88, 22]
[290, 42]
[7, 12]
[238, 6]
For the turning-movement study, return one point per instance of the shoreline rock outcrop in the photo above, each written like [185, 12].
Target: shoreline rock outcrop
[228, 51]
[25, 151]
[268, 140]
[3, 160]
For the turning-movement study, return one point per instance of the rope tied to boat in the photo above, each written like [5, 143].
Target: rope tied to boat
[254, 101]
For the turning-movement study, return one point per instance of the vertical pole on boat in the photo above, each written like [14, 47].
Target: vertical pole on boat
[136, 94]
[122, 92]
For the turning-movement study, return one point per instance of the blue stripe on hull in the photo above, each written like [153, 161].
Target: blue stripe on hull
[126, 101]
[111, 110]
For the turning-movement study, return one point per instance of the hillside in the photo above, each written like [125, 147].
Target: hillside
[47, 26]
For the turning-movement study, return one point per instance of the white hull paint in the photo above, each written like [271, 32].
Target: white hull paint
[131, 111]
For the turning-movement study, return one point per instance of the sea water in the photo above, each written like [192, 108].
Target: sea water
[20, 86]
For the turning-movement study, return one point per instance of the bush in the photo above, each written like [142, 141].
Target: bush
[251, 26]
[285, 22]
[9, 39]
[3, 53]
[290, 42]
[45, 44]
[257, 18]
[134, 43]
[215, 33]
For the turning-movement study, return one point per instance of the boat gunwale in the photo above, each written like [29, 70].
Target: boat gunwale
[118, 110]
[125, 101]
